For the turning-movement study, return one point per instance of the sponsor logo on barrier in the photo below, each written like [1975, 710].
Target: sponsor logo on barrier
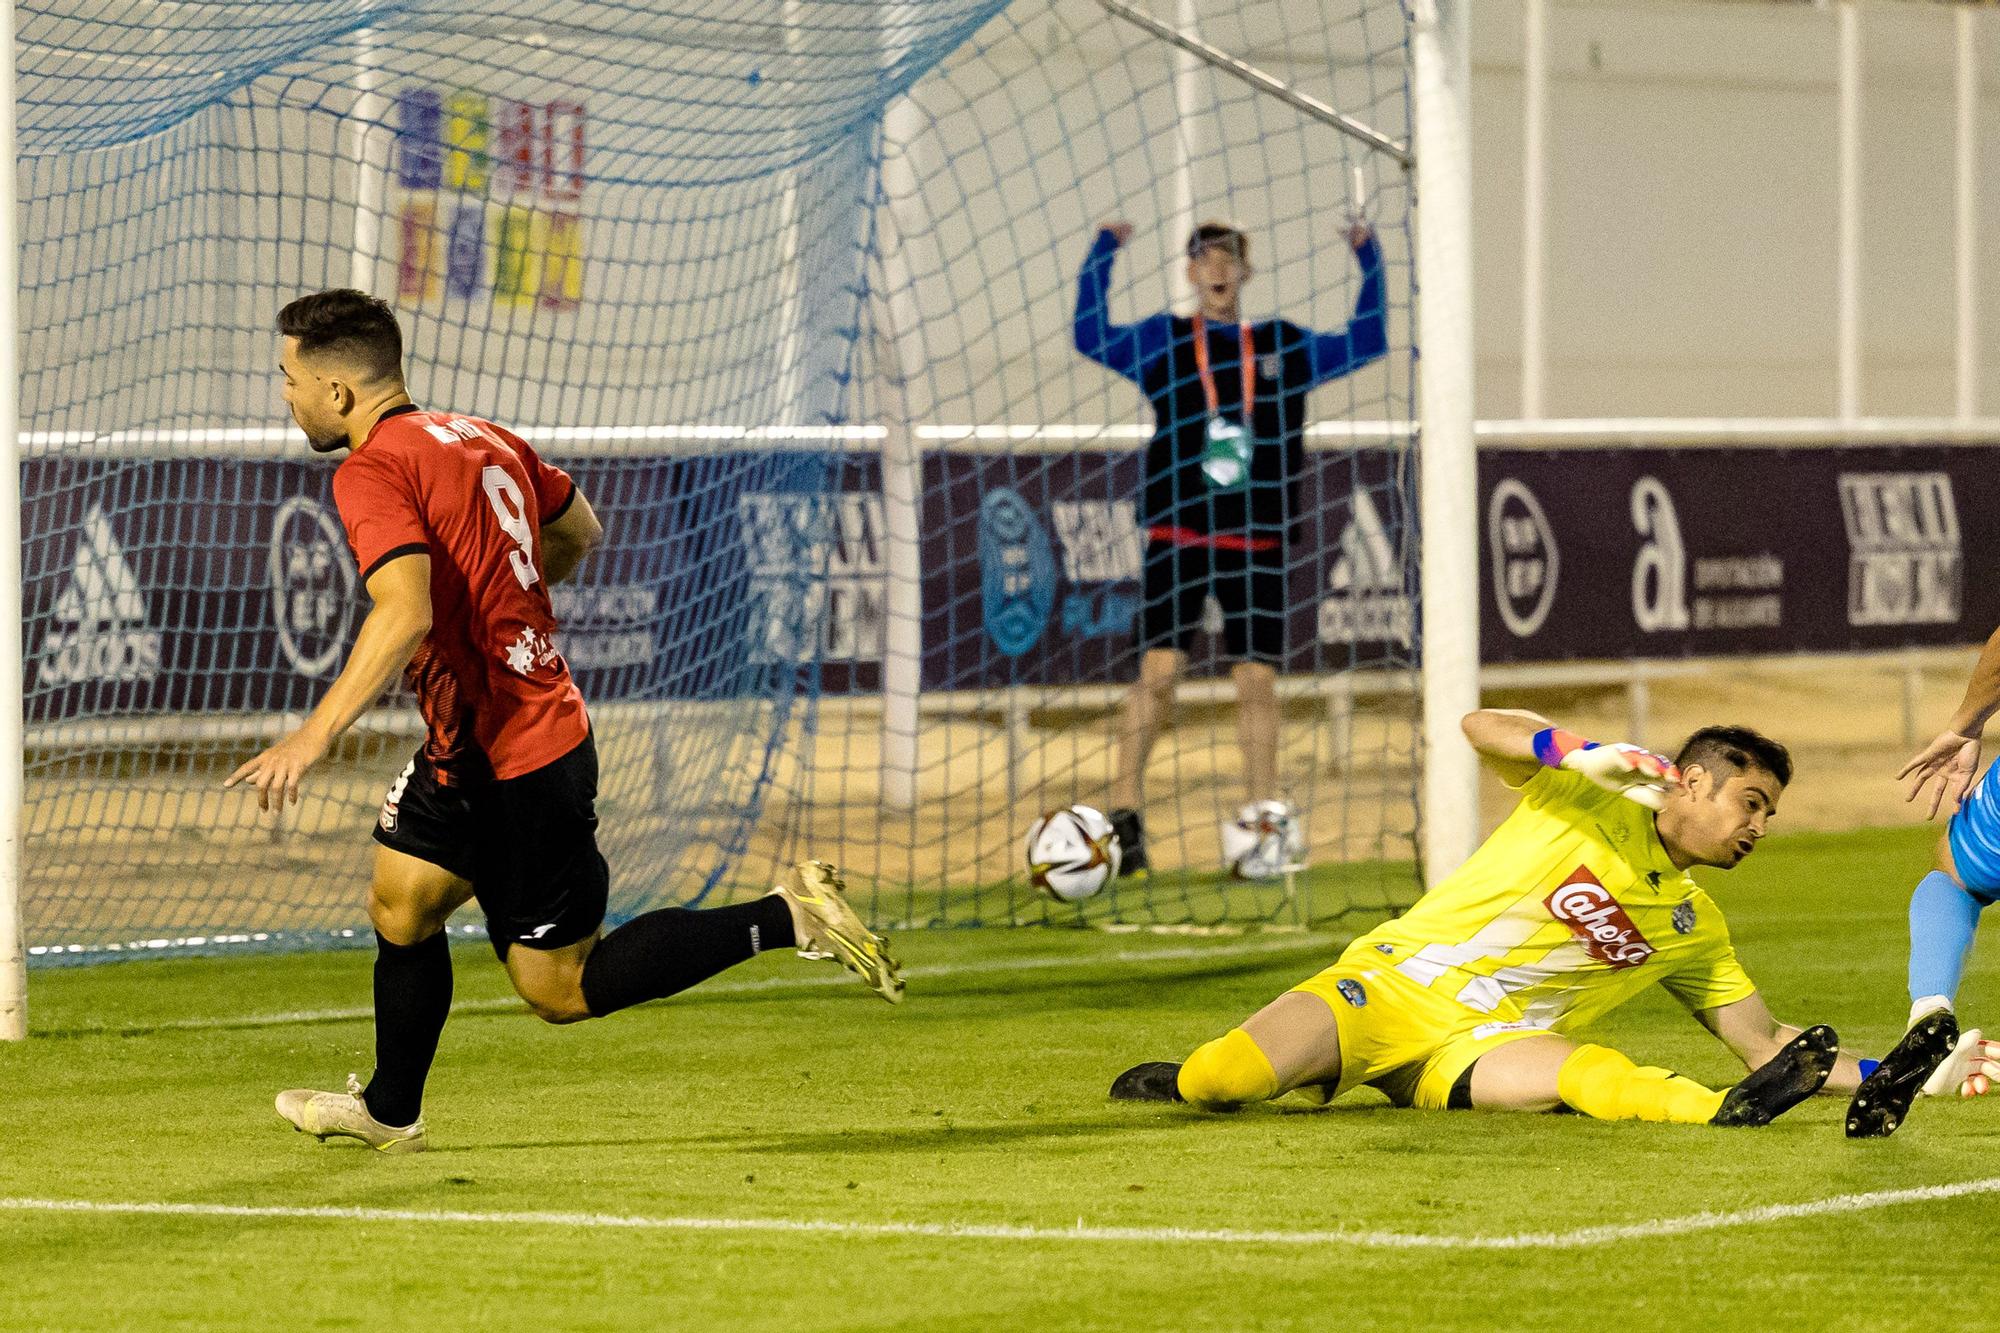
[817, 577]
[1905, 565]
[604, 626]
[1017, 571]
[1659, 575]
[1525, 563]
[1598, 921]
[1731, 592]
[1367, 599]
[312, 585]
[102, 630]
[1099, 540]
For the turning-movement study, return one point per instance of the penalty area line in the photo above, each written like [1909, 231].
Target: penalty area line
[1301, 943]
[1579, 1238]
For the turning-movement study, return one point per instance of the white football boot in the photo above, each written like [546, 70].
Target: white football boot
[1264, 841]
[325, 1115]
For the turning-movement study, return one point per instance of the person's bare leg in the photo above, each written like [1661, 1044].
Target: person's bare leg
[551, 980]
[409, 899]
[1290, 1042]
[1522, 1075]
[1257, 728]
[1147, 705]
[1297, 1034]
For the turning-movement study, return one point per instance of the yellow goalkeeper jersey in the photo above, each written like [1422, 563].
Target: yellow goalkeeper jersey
[1570, 909]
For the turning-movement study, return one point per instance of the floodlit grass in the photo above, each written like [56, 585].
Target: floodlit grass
[981, 1101]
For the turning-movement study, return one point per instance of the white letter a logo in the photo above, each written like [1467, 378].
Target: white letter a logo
[100, 618]
[1367, 562]
[102, 590]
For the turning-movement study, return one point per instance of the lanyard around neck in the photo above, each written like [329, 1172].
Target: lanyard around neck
[1247, 368]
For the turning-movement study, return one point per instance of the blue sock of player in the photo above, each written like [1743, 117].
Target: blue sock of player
[664, 952]
[1943, 918]
[412, 1000]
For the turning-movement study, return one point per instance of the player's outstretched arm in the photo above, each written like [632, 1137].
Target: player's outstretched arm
[1505, 739]
[1116, 347]
[1952, 759]
[1366, 337]
[569, 539]
[1514, 743]
[400, 619]
[1753, 1035]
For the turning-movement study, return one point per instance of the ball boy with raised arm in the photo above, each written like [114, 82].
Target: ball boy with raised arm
[1221, 493]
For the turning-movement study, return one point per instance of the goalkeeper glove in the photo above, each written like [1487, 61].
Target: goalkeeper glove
[1632, 771]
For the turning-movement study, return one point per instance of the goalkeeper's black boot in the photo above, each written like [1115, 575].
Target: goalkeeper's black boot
[1154, 1081]
[1884, 1097]
[1796, 1072]
[1131, 831]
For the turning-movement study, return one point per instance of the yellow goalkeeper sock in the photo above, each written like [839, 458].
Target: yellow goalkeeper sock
[1600, 1082]
[1228, 1071]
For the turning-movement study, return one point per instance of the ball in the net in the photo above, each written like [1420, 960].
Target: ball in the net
[1072, 853]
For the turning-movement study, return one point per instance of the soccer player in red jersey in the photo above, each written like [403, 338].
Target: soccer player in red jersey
[459, 528]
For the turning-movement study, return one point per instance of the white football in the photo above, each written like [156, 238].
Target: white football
[1264, 841]
[1072, 853]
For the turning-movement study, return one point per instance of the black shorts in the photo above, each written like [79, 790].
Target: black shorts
[527, 844]
[1249, 586]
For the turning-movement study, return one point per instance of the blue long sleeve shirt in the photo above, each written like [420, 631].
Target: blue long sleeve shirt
[1158, 355]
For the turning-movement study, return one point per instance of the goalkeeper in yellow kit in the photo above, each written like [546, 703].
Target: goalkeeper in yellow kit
[1577, 903]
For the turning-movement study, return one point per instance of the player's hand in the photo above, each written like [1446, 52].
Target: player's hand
[1120, 229]
[276, 772]
[1952, 760]
[1632, 771]
[1359, 233]
[1971, 1070]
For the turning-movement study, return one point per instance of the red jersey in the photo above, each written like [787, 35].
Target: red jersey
[474, 497]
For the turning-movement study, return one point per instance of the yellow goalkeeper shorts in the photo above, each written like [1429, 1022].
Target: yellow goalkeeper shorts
[1402, 1038]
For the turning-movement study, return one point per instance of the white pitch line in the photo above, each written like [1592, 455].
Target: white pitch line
[1374, 1240]
[1124, 957]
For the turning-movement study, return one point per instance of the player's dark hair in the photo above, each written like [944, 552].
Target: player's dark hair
[1727, 751]
[353, 326]
[1219, 236]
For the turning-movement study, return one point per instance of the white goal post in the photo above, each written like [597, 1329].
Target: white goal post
[1441, 97]
[13, 949]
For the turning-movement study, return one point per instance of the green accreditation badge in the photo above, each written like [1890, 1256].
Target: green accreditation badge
[1225, 457]
[1225, 454]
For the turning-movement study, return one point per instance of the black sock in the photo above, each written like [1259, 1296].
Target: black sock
[412, 1000]
[667, 951]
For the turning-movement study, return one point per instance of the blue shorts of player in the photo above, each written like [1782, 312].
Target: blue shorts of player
[1974, 832]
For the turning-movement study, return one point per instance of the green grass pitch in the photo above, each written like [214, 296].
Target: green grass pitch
[775, 1095]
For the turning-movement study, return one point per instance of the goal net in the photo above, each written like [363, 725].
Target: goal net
[789, 285]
